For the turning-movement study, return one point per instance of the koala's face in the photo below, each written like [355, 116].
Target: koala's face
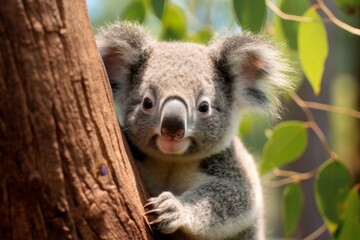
[178, 103]
[181, 99]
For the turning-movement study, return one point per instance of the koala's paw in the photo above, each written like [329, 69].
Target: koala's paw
[168, 212]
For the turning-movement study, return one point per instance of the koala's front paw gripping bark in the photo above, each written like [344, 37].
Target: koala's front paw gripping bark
[168, 212]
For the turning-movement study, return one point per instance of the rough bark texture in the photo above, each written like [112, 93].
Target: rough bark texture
[58, 131]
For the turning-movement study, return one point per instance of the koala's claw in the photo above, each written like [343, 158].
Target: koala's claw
[154, 211]
[153, 223]
[149, 203]
[168, 212]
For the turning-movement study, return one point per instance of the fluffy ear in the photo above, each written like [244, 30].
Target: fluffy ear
[122, 45]
[254, 67]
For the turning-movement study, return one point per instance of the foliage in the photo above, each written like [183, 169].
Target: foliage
[245, 14]
[351, 7]
[293, 200]
[287, 143]
[300, 24]
[331, 199]
[313, 51]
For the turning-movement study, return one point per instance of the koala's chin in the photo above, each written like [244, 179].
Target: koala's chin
[172, 146]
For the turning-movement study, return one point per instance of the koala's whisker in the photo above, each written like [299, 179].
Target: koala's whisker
[125, 129]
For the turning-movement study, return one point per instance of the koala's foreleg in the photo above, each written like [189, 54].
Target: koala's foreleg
[219, 209]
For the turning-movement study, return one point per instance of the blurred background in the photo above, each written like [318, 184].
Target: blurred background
[198, 20]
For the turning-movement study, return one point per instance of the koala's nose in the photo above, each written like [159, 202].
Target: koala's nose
[173, 119]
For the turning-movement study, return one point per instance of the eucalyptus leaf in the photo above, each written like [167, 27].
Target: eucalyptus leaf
[287, 143]
[313, 48]
[332, 184]
[350, 225]
[250, 14]
[135, 11]
[158, 7]
[173, 23]
[290, 28]
[292, 204]
[204, 35]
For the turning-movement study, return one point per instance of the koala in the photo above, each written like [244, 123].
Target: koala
[180, 105]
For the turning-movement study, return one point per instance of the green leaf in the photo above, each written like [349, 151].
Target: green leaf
[332, 185]
[287, 143]
[350, 7]
[250, 14]
[204, 35]
[290, 28]
[313, 48]
[174, 23]
[158, 7]
[350, 226]
[135, 11]
[292, 204]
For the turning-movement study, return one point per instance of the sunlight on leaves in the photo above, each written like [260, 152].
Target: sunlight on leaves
[313, 48]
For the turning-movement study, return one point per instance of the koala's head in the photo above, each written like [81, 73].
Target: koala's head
[182, 99]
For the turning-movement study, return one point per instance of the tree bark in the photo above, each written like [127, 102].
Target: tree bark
[64, 169]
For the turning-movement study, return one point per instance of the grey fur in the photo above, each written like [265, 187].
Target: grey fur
[203, 182]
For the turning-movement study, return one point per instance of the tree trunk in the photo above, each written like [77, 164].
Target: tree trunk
[64, 170]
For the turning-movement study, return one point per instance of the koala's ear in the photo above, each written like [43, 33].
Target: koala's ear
[122, 45]
[257, 71]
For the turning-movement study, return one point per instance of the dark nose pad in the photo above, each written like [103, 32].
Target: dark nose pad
[172, 127]
[173, 120]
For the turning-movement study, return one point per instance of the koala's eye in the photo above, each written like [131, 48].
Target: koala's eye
[203, 107]
[147, 104]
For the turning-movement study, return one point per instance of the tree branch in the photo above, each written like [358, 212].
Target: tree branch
[337, 21]
[331, 17]
[314, 126]
[317, 233]
[286, 16]
[334, 109]
[289, 177]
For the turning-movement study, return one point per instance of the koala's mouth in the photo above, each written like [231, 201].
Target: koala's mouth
[172, 146]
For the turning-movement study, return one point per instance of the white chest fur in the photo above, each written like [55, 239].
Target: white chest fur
[175, 177]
